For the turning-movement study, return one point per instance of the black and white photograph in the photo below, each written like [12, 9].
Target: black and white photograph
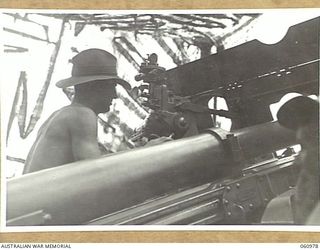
[182, 119]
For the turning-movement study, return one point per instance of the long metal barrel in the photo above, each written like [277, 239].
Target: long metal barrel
[79, 192]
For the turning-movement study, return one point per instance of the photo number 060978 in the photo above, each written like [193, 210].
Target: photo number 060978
[309, 245]
[160, 118]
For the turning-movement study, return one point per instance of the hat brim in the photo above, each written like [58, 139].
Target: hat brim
[75, 80]
[298, 112]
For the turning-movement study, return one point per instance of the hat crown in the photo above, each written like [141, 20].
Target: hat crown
[92, 65]
[94, 62]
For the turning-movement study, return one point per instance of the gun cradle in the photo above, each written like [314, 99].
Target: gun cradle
[238, 201]
[60, 196]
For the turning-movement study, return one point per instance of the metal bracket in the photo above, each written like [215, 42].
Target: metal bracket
[230, 143]
[240, 199]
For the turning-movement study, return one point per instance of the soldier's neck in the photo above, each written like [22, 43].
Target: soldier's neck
[83, 102]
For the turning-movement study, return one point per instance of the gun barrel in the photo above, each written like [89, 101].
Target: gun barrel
[76, 193]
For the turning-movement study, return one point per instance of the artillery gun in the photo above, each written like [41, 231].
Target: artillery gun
[206, 175]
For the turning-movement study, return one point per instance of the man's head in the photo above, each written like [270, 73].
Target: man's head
[97, 95]
[301, 114]
[94, 76]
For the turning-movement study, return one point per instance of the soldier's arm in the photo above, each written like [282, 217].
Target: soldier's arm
[83, 132]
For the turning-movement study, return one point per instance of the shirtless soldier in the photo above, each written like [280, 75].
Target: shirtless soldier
[70, 134]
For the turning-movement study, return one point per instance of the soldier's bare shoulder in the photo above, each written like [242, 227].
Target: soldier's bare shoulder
[78, 111]
[71, 116]
[78, 115]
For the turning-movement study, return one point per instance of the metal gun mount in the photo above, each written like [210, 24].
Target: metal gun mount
[254, 75]
[153, 77]
[160, 99]
[177, 113]
[250, 77]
